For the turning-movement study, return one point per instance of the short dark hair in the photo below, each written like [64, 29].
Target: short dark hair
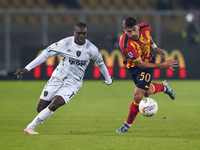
[80, 24]
[129, 22]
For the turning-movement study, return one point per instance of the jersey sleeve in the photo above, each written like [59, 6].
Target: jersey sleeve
[145, 26]
[54, 49]
[96, 56]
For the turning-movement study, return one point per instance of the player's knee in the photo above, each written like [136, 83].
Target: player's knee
[39, 109]
[54, 106]
[56, 103]
[147, 94]
[138, 97]
[42, 104]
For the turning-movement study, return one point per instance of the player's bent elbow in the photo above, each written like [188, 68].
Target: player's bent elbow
[141, 67]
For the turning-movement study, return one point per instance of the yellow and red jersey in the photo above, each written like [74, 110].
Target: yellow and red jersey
[134, 50]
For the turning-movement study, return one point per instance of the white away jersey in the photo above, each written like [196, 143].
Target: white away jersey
[75, 59]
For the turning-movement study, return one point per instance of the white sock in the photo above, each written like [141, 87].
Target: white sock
[40, 118]
[164, 88]
[128, 124]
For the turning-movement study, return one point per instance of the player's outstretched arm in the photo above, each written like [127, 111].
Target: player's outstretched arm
[156, 48]
[103, 69]
[160, 51]
[20, 72]
[38, 60]
[168, 64]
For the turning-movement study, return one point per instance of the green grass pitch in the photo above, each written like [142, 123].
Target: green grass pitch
[90, 120]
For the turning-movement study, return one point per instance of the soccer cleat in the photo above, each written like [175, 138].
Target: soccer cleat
[168, 90]
[124, 128]
[30, 131]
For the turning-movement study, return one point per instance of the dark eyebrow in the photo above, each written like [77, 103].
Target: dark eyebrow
[81, 32]
[134, 28]
[129, 30]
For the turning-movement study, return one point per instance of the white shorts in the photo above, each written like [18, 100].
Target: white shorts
[55, 87]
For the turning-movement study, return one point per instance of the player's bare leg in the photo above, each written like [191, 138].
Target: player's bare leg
[42, 104]
[44, 114]
[149, 91]
[138, 95]
[56, 103]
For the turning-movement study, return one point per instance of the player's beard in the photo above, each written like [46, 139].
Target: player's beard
[134, 37]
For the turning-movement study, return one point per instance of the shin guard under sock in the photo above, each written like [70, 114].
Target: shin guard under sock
[133, 111]
[157, 87]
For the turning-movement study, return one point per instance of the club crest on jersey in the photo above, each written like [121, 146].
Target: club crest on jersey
[68, 50]
[78, 53]
[130, 54]
[144, 39]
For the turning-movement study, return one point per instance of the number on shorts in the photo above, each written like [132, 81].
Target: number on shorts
[145, 77]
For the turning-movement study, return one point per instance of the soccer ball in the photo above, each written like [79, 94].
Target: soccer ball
[148, 107]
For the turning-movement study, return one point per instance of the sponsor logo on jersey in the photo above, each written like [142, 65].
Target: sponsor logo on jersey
[130, 54]
[78, 53]
[77, 62]
[48, 48]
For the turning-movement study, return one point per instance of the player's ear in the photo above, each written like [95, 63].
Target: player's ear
[138, 27]
[125, 30]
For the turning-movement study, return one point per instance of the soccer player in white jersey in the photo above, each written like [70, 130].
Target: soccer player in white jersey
[66, 80]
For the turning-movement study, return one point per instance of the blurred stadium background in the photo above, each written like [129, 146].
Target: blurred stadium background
[27, 26]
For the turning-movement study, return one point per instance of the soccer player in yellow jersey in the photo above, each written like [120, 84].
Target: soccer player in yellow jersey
[135, 44]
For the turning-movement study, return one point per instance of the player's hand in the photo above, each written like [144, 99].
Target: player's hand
[170, 64]
[160, 51]
[110, 83]
[20, 72]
